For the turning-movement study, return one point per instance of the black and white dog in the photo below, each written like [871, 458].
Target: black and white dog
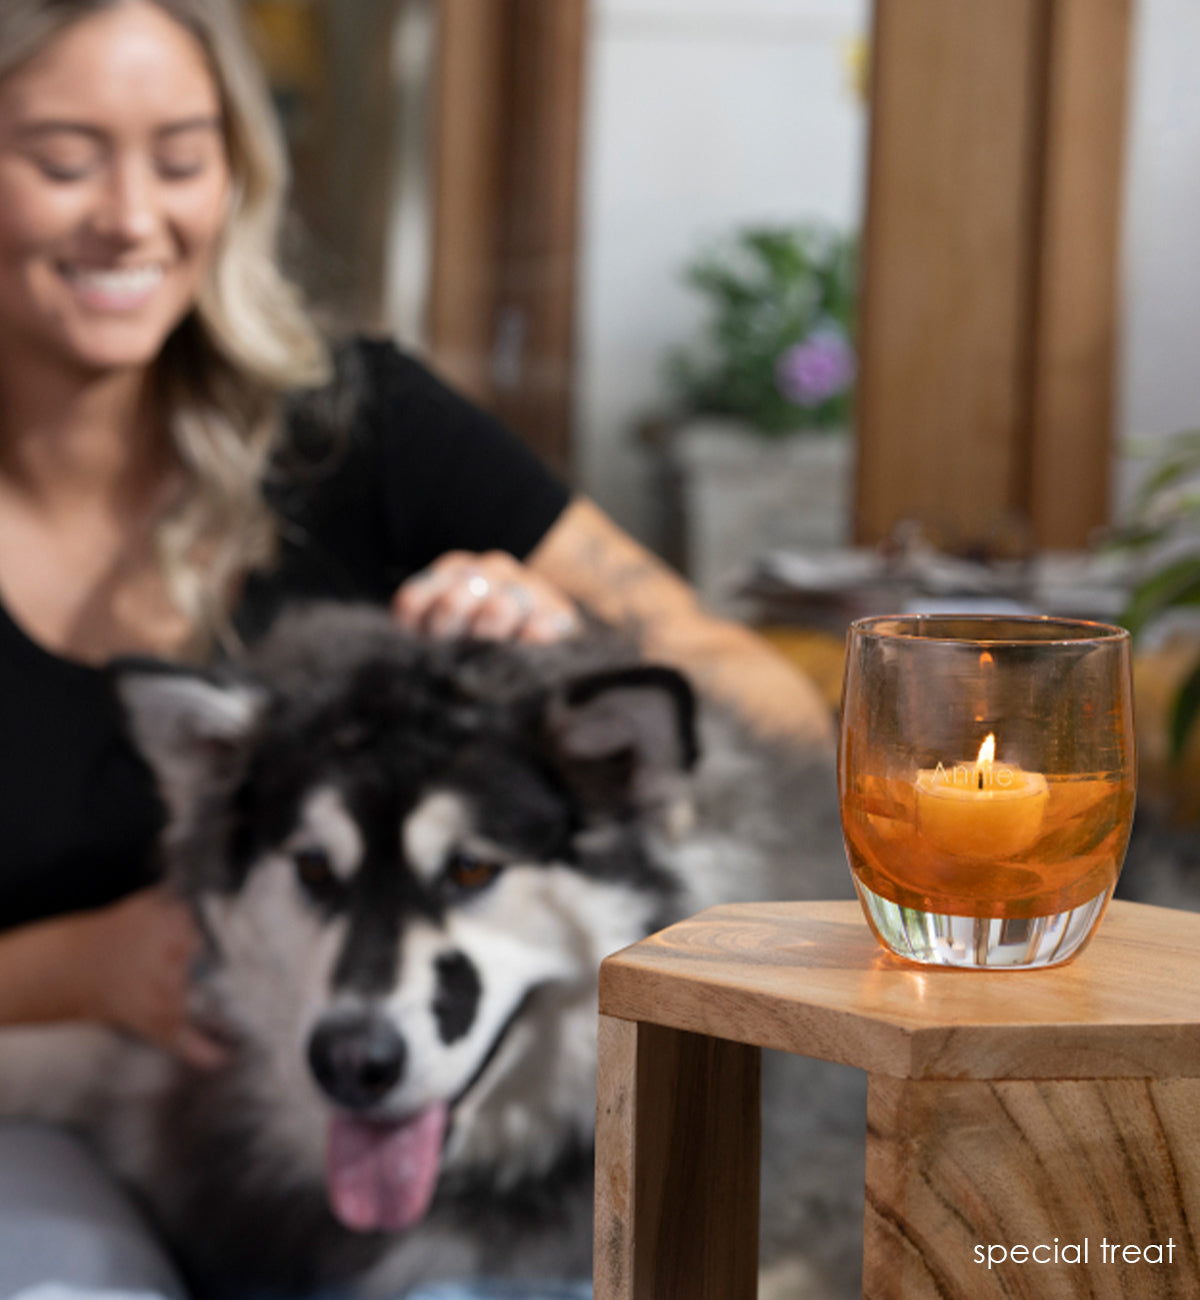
[409, 860]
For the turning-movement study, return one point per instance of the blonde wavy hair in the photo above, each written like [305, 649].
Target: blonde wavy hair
[247, 341]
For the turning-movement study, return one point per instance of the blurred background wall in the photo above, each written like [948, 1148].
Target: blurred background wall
[700, 116]
[1160, 322]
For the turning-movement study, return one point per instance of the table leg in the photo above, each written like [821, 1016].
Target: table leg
[1069, 1169]
[677, 1165]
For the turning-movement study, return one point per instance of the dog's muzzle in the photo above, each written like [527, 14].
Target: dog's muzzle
[380, 1173]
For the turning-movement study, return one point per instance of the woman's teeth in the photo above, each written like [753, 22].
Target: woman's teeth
[117, 283]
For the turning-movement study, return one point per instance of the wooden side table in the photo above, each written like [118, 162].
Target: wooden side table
[1053, 1110]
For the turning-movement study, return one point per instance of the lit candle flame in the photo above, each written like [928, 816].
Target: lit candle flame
[983, 764]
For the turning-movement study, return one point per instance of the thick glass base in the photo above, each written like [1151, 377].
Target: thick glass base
[982, 943]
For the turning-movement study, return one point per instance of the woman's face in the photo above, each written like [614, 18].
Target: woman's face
[114, 185]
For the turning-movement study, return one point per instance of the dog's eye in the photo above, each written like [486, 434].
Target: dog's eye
[466, 871]
[313, 867]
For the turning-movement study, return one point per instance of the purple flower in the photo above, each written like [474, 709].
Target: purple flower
[820, 367]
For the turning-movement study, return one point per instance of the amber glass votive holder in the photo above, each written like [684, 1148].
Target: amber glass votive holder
[986, 774]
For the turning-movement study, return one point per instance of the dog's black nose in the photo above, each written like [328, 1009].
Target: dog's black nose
[356, 1060]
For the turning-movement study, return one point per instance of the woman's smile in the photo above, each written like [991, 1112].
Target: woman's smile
[116, 289]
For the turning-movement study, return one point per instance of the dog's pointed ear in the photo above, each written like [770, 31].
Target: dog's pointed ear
[190, 728]
[625, 739]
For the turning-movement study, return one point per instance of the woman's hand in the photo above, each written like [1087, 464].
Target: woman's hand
[491, 596]
[134, 963]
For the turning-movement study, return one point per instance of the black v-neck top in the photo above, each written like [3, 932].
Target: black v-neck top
[384, 471]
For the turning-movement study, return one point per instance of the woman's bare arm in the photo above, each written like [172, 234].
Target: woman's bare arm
[598, 564]
[126, 965]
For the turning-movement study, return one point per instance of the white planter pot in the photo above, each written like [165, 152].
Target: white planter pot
[743, 494]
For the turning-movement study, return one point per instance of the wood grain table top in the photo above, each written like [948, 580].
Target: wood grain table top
[810, 978]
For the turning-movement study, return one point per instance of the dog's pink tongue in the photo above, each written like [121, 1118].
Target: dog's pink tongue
[381, 1176]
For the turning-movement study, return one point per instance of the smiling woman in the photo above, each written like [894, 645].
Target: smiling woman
[113, 191]
[140, 192]
[182, 454]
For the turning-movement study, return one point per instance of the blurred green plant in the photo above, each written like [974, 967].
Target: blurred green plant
[778, 347]
[1163, 535]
